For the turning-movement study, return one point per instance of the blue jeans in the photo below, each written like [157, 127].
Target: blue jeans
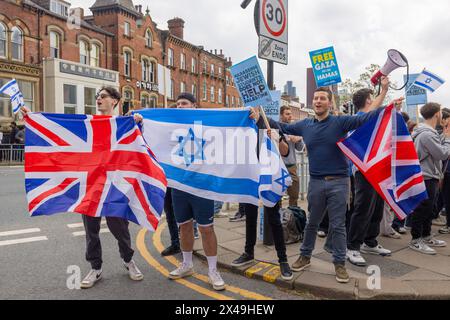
[333, 195]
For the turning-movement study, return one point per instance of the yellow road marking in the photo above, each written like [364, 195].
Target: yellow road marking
[140, 244]
[256, 268]
[272, 274]
[159, 247]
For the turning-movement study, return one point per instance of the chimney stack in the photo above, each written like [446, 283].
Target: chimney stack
[79, 12]
[176, 27]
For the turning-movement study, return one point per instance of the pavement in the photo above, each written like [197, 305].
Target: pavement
[406, 274]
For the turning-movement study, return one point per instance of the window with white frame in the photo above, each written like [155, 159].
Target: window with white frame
[182, 61]
[212, 69]
[127, 63]
[205, 91]
[3, 41]
[127, 29]
[148, 39]
[219, 95]
[220, 71]
[194, 90]
[17, 43]
[70, 99]
[227, 101]
[213, 98]
[194, 65]
[145, 101]
[95, 55]
[90, 103]
[54, 45]
[170, 57]
[84, 52]
[152, 72]
[153, 102]
[204, 65]
[145, 67]
[59, 8]
[172, 89]
[182, 87]
[232, 102]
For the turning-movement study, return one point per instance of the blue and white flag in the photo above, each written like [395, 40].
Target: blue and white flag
[213, 154]
[429, 81]
[12, 89]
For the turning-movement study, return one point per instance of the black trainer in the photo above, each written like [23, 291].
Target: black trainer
[170, 251]
[243, 260]
[286, 272]
[239, 216]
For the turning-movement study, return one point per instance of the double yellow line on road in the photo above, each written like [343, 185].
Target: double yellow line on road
[140, 243]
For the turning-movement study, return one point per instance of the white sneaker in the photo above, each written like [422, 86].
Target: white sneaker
[355, 258]
[378, 250]
[402, 230]
[433, 242]
[216, 280]
[321, 234]
[91, 278]
[439, 221]
[184, 270]
[393, 235]
[133, 271]
[420, 246]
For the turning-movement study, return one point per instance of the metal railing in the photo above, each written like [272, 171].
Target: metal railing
[12, 154]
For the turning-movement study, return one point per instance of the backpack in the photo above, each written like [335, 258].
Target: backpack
[293, 221]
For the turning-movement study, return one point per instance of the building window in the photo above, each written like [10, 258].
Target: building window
[148, 39]
[213, 98]
[84, 53]
[170, 55]
[54, 45]
[145, 66]
[212, 69]
[182, 61]
[3, 42]
[227, 101]
[220, 71]
[127, 30]
[219, 95]
[127, 63]
[152, 72]
[194, 90]
[172, 89]
[194, 65]
[145, 101]
[127, 101]
[232, 102]
[95, 55]
[205, 91]
[59, 8]
[204, 66]
[228, 80]
[17, 43]
[70, 99]
[153, 102]
[27, 89]
[90, 101]
[182, 87]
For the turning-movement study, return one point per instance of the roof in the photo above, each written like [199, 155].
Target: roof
[124, 4]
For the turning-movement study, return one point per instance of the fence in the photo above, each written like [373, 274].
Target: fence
[11, 154]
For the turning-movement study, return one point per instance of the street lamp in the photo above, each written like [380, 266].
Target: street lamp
[245, 3]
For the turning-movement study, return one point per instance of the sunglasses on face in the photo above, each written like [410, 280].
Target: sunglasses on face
[102, 96]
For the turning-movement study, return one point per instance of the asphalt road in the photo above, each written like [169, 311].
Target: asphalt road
[42, 257]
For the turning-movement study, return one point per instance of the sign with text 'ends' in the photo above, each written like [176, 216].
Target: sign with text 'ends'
[325, 67]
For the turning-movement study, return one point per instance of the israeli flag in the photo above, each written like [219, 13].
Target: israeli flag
[429, 81]
[12, 90]
[212, 154]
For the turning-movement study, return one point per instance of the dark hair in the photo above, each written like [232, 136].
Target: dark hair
[113, 92]
[445, 113]
[12, 122]
[405, 116]
[360, 97]
[187, 96]
[411, 125]
[284, 108]
[327, 90]
[429, 110]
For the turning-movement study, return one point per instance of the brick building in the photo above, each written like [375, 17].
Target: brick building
[61, 57]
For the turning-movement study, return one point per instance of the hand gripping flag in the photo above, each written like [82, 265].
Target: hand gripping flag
[429, 81]
[384, 152]
[213, 154]
[12, 90]
[92, 165]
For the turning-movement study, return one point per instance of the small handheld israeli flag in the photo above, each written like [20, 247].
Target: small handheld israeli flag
[429, 81]
[12, 90]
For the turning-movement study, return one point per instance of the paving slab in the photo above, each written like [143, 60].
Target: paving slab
[431, 290]
[423, 275]
[437, 263]
[325, 286]
[389, 289]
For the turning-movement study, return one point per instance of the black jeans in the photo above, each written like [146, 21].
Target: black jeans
[119, 229]
[421, 218]
[251, 213]
[446, 196]
[170, 217]
[366, 218]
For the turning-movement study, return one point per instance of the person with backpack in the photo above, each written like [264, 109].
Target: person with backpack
[431, 150]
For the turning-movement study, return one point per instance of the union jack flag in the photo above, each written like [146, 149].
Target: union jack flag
[384, 152]
[92, 165]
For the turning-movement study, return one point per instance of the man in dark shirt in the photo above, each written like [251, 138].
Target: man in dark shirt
[330, 183]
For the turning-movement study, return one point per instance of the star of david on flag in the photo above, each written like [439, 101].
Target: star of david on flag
[191, 148]
[429, 81]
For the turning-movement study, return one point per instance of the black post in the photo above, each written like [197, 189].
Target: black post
[268, 237]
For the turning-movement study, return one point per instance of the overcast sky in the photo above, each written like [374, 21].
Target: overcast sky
[360, 31]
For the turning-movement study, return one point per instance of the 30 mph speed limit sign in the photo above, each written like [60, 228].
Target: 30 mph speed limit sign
[273, 20]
